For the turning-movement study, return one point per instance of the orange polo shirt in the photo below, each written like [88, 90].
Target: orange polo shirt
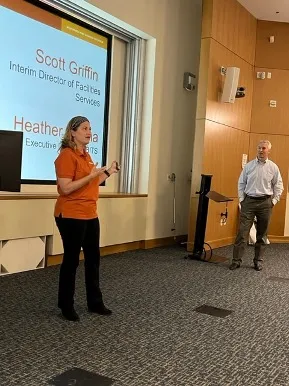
[80, 204]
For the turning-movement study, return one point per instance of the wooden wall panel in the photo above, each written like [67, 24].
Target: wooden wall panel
[223, 235]
[215, 233]
[266, 119]
[223, 149]
[277, 223]
[207, 18]
[279, 154]
[236, 114]
[272, 55]
[229, 38]
[267, 122]
[286, 225]
[235, 28]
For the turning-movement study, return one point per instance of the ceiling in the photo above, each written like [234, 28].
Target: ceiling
[266, 9]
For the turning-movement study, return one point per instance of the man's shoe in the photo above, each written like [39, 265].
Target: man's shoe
[99, 309]
[258, 266]
[234, 266]
[70, 314]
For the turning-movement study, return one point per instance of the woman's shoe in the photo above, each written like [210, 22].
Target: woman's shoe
[70, 314]
[99, 308]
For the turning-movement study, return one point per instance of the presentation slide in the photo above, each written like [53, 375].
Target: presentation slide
[47, 76]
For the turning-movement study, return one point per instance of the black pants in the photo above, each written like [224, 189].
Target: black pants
[76, 234]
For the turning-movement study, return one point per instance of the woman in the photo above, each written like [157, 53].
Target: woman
[78, 181]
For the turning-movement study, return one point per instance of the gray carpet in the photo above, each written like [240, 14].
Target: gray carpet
[154, 336]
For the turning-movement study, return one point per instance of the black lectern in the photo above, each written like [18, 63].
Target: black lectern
[10, 160]
[201, 223]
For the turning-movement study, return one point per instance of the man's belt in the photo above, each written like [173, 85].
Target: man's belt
[259, 197]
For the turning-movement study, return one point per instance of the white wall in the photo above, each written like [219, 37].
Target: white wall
[176, 25]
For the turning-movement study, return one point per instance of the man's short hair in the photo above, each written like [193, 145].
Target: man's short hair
[268, 143]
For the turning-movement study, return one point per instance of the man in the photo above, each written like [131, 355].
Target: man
[260, 187]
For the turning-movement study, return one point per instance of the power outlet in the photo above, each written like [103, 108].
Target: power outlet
[223, 71]
[261, 75]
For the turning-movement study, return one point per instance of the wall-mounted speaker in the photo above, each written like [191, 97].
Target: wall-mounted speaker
[230, 85]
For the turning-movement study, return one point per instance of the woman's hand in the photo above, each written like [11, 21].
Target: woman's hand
[95, 171]
[114, 168]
